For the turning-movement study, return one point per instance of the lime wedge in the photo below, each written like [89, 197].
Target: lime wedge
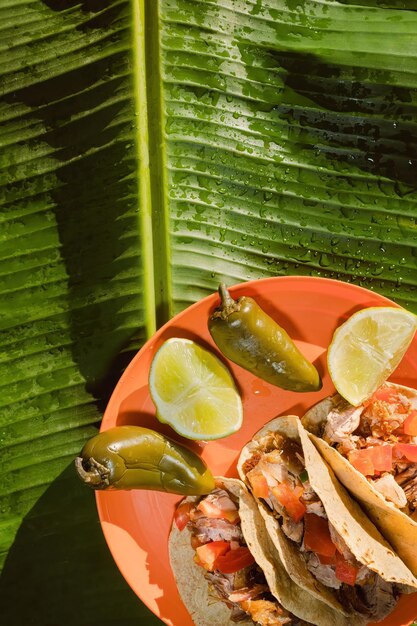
[193, 391]
[367, 348]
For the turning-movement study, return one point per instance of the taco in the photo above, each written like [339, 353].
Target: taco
[327, 544]
[372, 448]
[227, 569]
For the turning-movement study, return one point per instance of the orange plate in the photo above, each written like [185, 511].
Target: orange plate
[136, 524]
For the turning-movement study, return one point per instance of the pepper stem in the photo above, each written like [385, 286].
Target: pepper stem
[227, 304]
[96, 475]
[226, 298]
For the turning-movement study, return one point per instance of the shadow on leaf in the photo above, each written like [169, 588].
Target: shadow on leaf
[59, 552]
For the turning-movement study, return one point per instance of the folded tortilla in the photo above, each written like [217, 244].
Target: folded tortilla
[397, 527]
[353, 527]
[203, 603]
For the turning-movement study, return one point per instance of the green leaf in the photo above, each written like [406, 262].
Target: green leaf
[150, 149]
[76, 299]
[285, 153]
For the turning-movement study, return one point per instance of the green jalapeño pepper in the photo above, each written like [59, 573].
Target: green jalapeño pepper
[132, 457]
[249, 337]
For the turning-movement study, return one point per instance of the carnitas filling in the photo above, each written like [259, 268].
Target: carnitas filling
[276, 473]
[379, 438]
[229, 567]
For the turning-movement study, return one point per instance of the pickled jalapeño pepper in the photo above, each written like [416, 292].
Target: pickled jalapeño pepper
[249, 337]
[132, 457]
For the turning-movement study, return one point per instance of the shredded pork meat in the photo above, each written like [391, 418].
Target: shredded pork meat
[357, 595]
[246, 591]
[406, 475]
[408, 481]
[317, 508]
[222, 585]
[251, 462]
[209, 529]
[293, 530]
[382, 419]
[391, 490]
[376, 598]
[378, 422]
[266, 612]
[342, 421]
[410, 491]
[324, 573]
[309, 495]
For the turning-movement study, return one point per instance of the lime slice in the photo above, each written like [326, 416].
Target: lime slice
[367, 348]
[193, 391]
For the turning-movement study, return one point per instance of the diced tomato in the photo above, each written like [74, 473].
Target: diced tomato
[362, 461]
[381, 457]
[234, 560]
[345, 571]
[210, 509]
[182, 515]
[389, 396]
[408, 450]
[327, 560]
[385, 394]
[298, 491]
[317, 535]
[259, 486]
[209, 552]
[290, 500]
[410, 424]
[371, 460]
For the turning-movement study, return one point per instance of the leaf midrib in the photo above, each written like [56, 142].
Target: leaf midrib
[163, 301]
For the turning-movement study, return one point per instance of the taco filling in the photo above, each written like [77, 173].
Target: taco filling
[379, 439]
[276, 474]
[230, 569]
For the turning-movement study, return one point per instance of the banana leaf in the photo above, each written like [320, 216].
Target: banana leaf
[150, 149]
